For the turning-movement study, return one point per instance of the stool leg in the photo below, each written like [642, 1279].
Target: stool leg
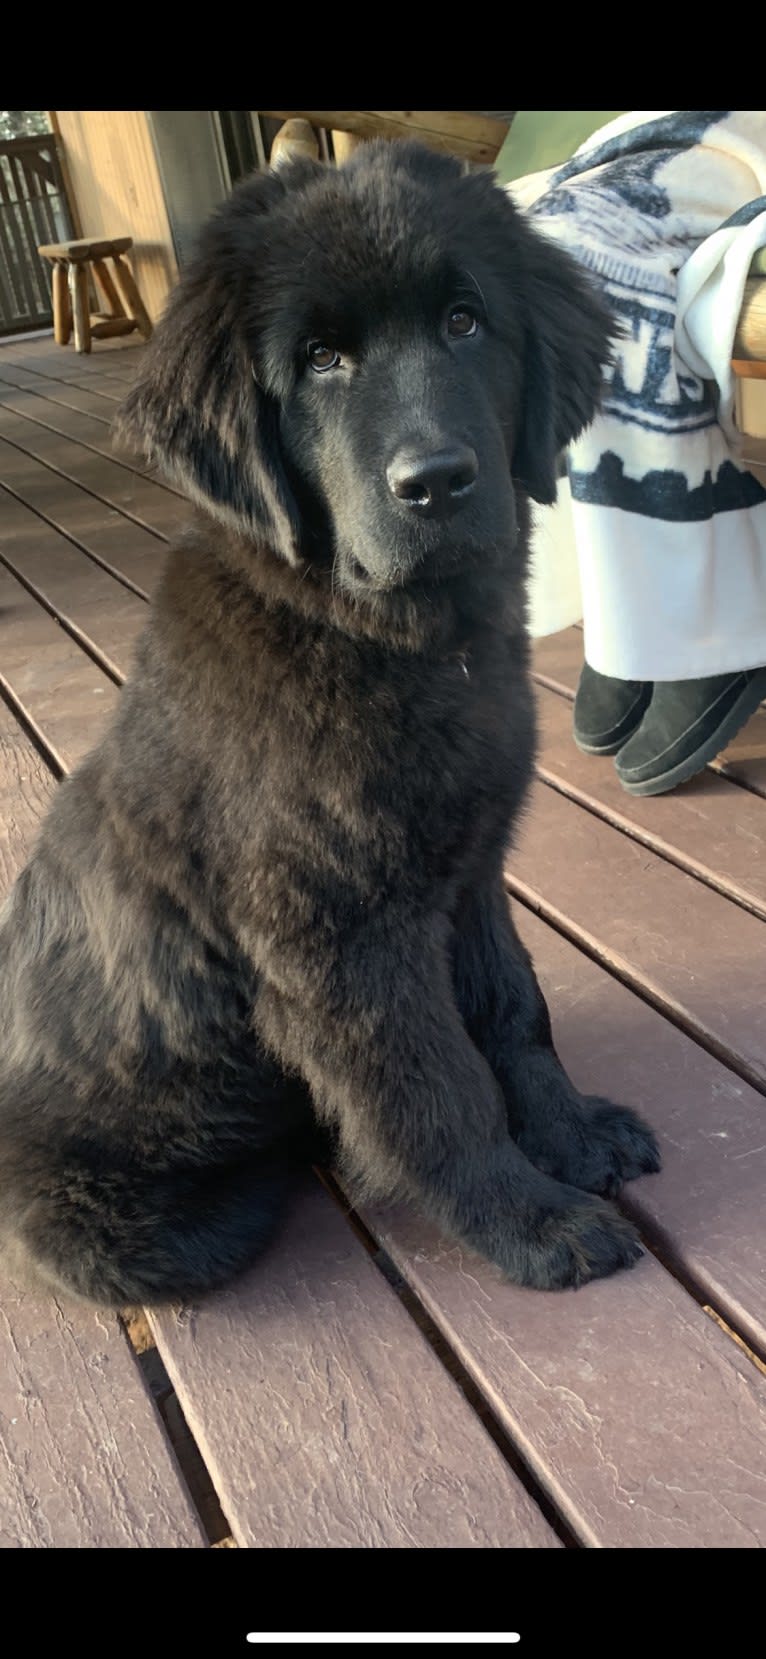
[113, 300]
[62, 310]
[133, 301]
[78, 290]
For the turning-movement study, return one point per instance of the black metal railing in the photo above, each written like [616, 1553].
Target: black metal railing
[33, 210]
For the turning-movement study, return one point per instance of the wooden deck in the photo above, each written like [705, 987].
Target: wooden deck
[370, 1384]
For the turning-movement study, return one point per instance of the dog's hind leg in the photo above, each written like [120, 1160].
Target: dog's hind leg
[582, 1140]
[121, 1238]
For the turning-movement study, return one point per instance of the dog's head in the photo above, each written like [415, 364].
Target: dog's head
[362, 361]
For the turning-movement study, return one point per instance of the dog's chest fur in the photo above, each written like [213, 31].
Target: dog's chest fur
[331, 770]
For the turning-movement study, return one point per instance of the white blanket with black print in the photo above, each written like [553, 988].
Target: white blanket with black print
[658, 539]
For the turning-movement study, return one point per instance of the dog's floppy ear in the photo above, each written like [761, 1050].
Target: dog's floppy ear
[569, 331]
[197, 412]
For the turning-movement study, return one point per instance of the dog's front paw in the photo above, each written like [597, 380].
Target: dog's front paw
[596, 1146]
[584, 1239]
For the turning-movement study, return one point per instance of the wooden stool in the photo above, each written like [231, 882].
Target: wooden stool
[71, 262]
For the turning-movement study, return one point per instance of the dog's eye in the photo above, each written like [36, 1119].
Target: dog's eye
[321, 356]
[461, 323]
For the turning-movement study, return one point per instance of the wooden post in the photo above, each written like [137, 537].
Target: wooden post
[750, 339]
[295, 138]
[78, 290]
[344, 144]
[62, 310]
[134, 304]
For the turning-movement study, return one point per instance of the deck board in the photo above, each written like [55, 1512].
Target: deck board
[637, 1414]
[90, 431]
[66, 695]
[706, 1207]
[109, 389]
[111, 359]
[323, 1415]
[117, 486]
[716, 830]
[134, 554]
[85, 1463]
[107, 612]
[86, 399]
[641, 1419]
[698, 955]
[26, 790]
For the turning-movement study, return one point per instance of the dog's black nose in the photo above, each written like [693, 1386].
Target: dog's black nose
[433, 484]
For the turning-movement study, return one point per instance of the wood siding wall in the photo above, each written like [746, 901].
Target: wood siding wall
[115, 181]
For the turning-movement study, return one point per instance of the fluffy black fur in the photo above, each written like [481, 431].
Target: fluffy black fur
[271, 902]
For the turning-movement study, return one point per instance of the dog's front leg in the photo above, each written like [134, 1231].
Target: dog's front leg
[379, 1039]
[582, 1140]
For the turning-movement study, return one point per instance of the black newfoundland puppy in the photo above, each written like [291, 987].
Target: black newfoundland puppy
[269, 908]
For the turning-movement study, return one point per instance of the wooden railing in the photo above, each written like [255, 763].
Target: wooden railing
[33, 209]
[474, 134]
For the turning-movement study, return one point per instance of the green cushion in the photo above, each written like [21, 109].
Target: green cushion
[541, 138]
